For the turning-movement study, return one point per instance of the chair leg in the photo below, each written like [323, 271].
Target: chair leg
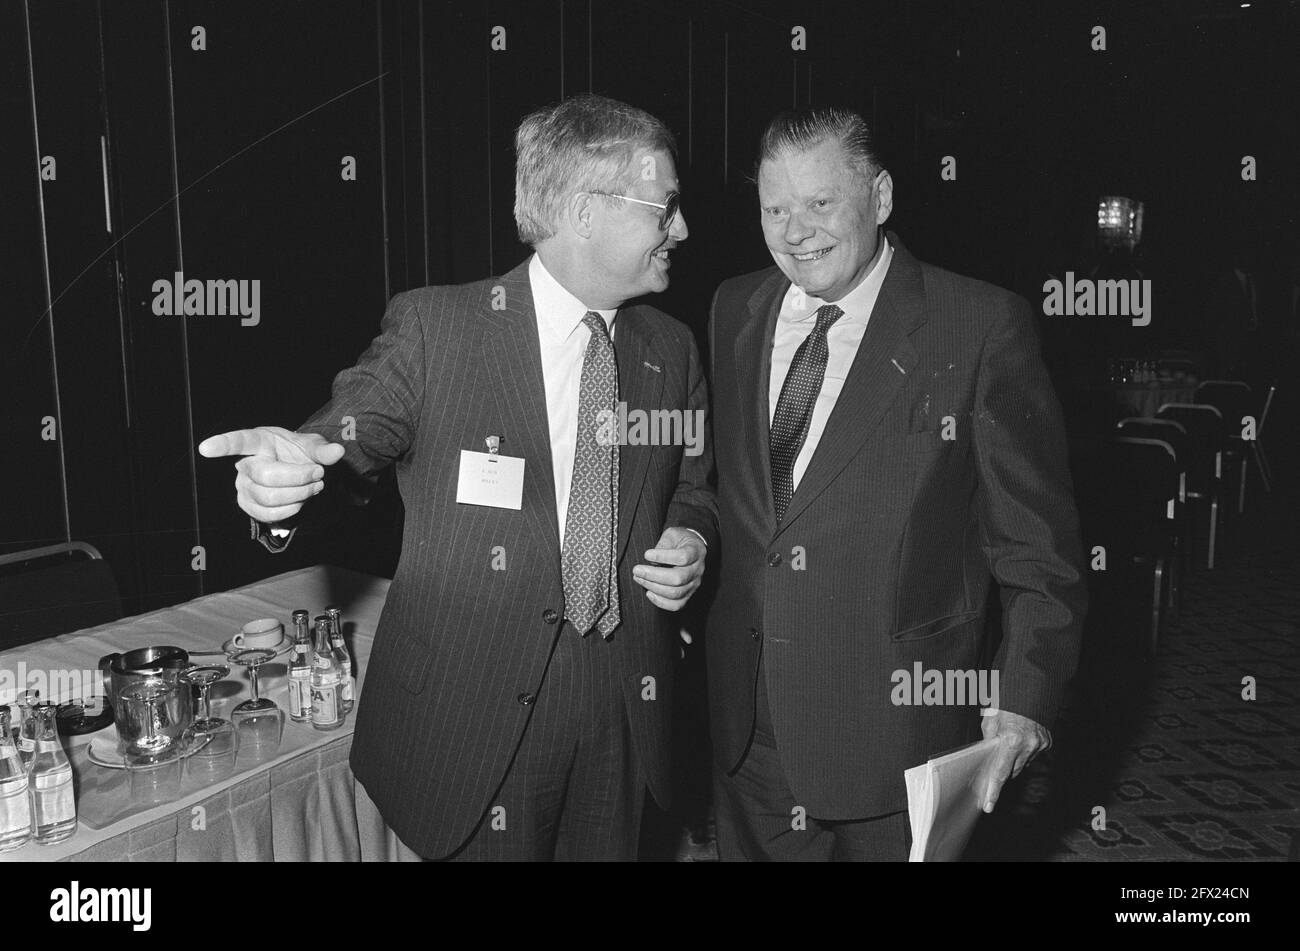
[1214, 530]
[1175, 576]
[1261, 463]
[1155, 602]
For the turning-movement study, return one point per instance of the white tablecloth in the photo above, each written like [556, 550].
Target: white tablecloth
[302, 805]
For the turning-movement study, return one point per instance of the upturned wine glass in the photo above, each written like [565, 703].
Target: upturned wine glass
[258, 721]
[212, 741]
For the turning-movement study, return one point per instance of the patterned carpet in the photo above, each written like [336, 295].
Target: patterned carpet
[1184, 767]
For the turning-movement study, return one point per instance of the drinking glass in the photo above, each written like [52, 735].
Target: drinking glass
[155, 774]
[212, 742]
[146, 715]
[258, 721]
[152, 758]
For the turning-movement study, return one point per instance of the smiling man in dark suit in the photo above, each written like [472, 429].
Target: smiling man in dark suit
[888, 442]
[517, 702]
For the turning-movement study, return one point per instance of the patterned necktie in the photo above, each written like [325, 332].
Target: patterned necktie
[794, 408]
[588, 568]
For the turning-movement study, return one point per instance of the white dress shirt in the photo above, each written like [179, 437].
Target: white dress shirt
[564, 339]
[796, 321]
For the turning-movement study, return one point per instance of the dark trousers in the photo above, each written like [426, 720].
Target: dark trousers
[759, 819]
[575, 791]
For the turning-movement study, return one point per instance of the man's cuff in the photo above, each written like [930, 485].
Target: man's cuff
[700, 537]
[274, 539]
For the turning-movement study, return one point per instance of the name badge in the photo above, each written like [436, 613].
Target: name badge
[489, 479]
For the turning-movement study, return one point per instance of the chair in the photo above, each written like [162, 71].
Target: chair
[1173, 434]
[1204, 460]
[1166, 430]
[1257, 445]
[1132, 518]
[1235, 401]
[43, 595]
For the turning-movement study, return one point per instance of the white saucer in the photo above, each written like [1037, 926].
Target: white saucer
[102, 751]
[230, 647]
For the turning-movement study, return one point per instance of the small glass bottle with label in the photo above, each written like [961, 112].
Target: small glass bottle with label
[15, 804]
[54, 805]
[326, 677]
[300, 669]
[342, 655]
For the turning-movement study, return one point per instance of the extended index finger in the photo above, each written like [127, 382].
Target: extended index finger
[237, 442]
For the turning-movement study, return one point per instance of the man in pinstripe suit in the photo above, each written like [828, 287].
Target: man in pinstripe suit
[517, 703]
[888, 442]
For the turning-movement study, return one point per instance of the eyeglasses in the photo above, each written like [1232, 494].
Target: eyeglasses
[672, 201]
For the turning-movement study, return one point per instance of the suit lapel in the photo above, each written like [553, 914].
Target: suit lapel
[883, 360]
[640, 386]
[512, 354]
[753, 356]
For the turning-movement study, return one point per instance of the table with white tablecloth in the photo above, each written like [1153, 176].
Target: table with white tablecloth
[303, 804]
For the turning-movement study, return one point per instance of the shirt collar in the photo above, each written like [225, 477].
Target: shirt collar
[559, 313]
[857, 304]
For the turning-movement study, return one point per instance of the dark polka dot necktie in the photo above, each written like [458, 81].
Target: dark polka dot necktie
[794, 408]
[588, 569]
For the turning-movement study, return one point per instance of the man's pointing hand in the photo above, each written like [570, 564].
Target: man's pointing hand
[280, 470]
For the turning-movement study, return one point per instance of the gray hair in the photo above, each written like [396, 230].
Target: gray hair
[585, 143]
[799, 130]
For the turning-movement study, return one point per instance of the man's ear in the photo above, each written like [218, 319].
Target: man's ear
[884, 197]
[578, 214]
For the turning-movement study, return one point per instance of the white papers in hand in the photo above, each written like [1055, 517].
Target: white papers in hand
[945, 797]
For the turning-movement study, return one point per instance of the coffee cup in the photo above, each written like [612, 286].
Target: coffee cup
[264, 632]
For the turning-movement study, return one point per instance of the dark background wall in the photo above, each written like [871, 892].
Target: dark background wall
[225, 163]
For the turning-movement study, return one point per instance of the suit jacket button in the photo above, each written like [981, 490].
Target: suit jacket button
[526, 699]
[754, 633]
[549, 616]
[774, 559]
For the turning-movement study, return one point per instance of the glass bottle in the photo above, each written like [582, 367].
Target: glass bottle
[54, 806]
[342, 655]
[300, 664]
[27, 701]
[15, 806]
[326, 702]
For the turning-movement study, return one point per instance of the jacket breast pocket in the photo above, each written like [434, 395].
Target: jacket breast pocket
[936, 627]
[930, 440]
